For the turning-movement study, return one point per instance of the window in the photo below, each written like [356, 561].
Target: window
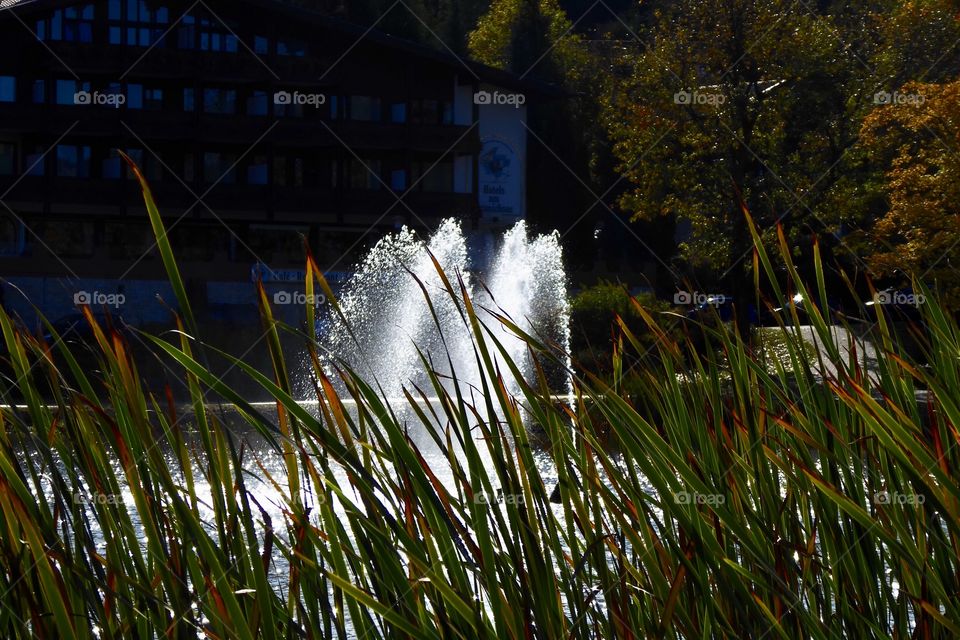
[127, 240]
[222, 101]
[258, 170]
[365, 175]
[398, 179]
[398, 112]
[39, 91]
[74, 24]
[8, 89]
[277, 244]
[437, 178]
[447, 113]
[11, 235]
[261, 45]
[215, 37]
[73, 161]
[257, 104]
[187, 33]
[111, 168]
[430, 112]
[35, 160]
[139, 97]
[78, 23]
[189, 99]
[294, 48]
[218, 167]
[66, 238]
[364, 108]
[67, 90]
[148, 163]
[8, 158]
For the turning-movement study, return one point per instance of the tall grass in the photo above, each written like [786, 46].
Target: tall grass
[726, 499]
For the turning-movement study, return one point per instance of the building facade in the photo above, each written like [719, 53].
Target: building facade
[257, 124]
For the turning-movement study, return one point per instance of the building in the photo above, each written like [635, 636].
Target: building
[257, 123]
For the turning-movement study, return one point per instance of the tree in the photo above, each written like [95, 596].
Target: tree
[916, 138]
[759, 104]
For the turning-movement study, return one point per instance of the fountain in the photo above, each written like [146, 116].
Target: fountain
[388, 319]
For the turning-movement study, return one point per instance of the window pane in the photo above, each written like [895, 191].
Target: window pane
[364, 108]
[65, 91]
[257, 104]
[398, 112]
[135, 96]
[8, 158]
[73, 161]
[8, 89]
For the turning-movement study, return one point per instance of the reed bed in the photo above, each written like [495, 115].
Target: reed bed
[728, 497]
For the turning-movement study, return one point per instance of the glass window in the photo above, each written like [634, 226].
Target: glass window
[116, 35]
[56, 25]
[11, 235]
[189, 99]
[398, 179]
[438, 179]
[67, 90]
[261, 45]
[78, 24]
[218, 167]
[258, 170]
[364, 108]
[220, 101]
[364, 175]
[42, 29]
[73, 161]
[291, 48]
[35, 160]
[113, 9]
[135, 96]
[257, 104]
[66, 238]
[447, 117]
[112, 168]
[187, 33]
[8, 89]
[398, 112]
[8, 158]
[39, 91]
[153, 99]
